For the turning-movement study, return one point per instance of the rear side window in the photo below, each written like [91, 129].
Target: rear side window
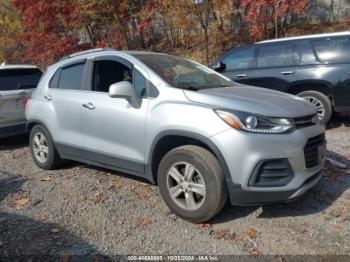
[15, 79]
[275, 56]
[239, 60]
[71, 77]
[333, 50]
[303, 53]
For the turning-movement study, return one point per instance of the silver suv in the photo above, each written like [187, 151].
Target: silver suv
[17, 82]
[196, 134]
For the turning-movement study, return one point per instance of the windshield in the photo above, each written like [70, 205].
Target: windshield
[182, 73]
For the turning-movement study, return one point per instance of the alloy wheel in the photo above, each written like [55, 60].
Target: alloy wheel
[186, 186]
[40, 147]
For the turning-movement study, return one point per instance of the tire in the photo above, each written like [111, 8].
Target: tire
[321, 101]
[207, 173]
[50, 160]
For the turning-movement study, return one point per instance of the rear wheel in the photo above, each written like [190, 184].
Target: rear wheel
[43, 149]
[192, 183]
[322, 102]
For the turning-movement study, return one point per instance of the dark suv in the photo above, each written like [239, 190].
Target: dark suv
[315, 67]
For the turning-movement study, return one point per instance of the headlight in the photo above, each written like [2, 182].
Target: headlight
[255, 123]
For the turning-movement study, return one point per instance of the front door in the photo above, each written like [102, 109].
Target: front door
[238, 63]
[114, 130]
[275, 67]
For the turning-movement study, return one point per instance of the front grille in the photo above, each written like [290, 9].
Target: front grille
[311, 151]
[272, 173]
[305, 121]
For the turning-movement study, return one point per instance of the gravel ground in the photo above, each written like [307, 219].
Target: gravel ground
[82, 210]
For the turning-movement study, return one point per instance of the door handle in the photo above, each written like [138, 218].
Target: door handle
[48, 97]
[241, 75]
[287, 72]
[89, 106]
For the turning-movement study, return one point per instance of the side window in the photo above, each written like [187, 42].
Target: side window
[274, 56]
[55, 79]
[108, 72]
[240, 59]
[303, 53]
[140, 84]
[333, 50]
[71, 77]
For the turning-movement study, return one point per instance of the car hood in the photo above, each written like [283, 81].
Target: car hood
[253, 100]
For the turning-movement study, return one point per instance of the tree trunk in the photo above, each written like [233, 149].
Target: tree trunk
[276, 18]
[332, 12]
[206, 29]
[124, 32]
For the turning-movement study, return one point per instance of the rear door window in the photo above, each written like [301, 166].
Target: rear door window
[303, 53]
[333, 50]
[275, 56]
[15, 79]
[239, 60]
[71, 77]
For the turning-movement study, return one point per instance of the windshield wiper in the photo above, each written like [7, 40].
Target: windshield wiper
[191, 88]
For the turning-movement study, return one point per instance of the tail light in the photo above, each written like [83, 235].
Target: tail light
[25, 101]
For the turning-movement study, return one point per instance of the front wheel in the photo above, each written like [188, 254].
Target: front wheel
[192, 183]
[322, 102]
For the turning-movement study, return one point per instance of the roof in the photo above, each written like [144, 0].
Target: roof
[18, 67]
[105, 50]
[305, 37]
[132, 52]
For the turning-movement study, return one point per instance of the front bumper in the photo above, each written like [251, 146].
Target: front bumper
[12, 129]
[244, 151]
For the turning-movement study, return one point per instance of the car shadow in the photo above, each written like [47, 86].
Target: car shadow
[333, 184]
[35, 240]
[338, 120]
[14, 142]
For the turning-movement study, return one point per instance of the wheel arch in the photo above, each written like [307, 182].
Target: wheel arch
[323, 87]
[31, 123]
[168, 140]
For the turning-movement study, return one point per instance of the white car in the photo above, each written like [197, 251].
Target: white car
[17, 83]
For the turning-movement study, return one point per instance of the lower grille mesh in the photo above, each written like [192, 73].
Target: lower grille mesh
[311, 151]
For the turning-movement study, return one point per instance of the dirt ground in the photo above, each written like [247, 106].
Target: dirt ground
[83, 210]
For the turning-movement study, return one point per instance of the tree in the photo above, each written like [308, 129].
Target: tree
[49, 29]
[10, 27]
[203, 10]
[266, 14]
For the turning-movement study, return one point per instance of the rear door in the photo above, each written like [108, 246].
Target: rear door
[65, 96]
[238, 63]
[274, 66]
[16, 85]
[334, 55]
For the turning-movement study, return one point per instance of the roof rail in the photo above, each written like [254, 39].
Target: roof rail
[88, 52]
[305, 37]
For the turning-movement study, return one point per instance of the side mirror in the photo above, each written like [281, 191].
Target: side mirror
[219, 67]
[125, 90]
